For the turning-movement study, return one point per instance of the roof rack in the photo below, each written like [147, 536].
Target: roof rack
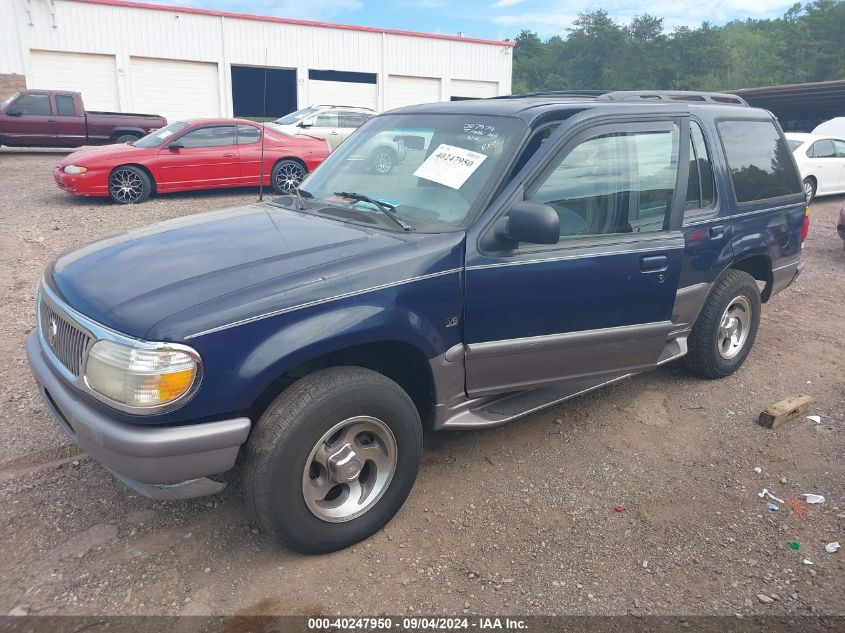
[555, 93]
[686, 96]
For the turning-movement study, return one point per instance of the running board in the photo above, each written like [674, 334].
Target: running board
[497, 410]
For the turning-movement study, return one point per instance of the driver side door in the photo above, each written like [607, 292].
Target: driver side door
[598, 303]
[203, 157]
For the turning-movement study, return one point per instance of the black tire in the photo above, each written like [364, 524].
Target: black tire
[129, 185]
[809, 189]
[383, 160]
[287, 175]
[294, 424]
[734, 288]
[126, 138]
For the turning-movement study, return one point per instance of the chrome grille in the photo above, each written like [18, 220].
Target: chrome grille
[66, 340]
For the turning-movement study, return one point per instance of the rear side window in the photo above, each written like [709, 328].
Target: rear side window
[33, 104]
[759, 160]
[822, 149]
[840, 148]
[209, 137]
[701, 189]
[64, 106]
[353, 119]
[248, 134]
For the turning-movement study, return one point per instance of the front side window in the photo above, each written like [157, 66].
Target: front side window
[701, 189]
[295, 117]
[65, 105]
[33, 104]
[216, 136]
[822, 149]
[441, 165]
[326, 119]
[759, 160]
[248, 134]
[614, 183]
[156, 138]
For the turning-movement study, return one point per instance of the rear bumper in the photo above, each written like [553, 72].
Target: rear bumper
[158, 462]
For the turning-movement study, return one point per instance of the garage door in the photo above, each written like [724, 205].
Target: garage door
[404, 91]
[95, 76]
[465, 89]
[342, 93]
[175, 89]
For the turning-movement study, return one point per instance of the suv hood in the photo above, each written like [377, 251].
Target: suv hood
[182, 276]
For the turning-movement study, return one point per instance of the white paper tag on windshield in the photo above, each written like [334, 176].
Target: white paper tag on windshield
[450, 165]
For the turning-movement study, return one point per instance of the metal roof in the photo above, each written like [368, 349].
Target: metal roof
[818, 100]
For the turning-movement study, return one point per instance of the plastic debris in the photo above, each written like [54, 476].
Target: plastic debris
[774, 507]
[765, 493]
[618, 509]
[812, 498]
[831, 547]
[807, 562]
[794, 544]
[758, 470]
[815, 418]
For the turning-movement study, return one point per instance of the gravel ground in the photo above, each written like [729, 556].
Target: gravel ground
[515, 520]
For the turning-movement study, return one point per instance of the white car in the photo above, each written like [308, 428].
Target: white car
[332, 123]
[821, 161]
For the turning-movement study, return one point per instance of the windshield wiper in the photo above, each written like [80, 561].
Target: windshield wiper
[385, 207]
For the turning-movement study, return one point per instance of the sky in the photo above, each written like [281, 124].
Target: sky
[493, 19]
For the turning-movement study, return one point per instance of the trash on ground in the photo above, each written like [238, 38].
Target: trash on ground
[794, 544]
[782, 412]
[798, 506]
[831, 547]
[765, 493]
[815, 418]
[807, 562]
[618, 509]
[757, 469]
[774, 507]
[813, 498]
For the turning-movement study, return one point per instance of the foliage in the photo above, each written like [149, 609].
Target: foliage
[806, 44]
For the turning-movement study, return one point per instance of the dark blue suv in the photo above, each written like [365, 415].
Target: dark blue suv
[525, 250]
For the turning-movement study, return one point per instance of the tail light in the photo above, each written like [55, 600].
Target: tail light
[806, 228]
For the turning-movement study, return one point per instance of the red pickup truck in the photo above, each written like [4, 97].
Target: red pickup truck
[56, 118]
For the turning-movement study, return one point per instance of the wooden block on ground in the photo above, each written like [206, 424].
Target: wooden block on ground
[782, 412]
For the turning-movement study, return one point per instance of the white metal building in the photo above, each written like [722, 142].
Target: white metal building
[186, 62]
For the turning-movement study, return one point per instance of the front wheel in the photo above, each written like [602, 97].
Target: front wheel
[126, 138]
[332, 459]
[725, 330]
[129, 185]
[287, 176]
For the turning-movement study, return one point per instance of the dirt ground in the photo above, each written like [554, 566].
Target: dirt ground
[516, 520]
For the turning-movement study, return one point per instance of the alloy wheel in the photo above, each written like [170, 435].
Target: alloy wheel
[349, 469]
[288, 176]
[383, 162]
[126, 186]
[734, 327]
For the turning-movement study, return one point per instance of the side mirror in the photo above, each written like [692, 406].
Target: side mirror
[306, 124]
[412, 141]
[534, 223]
[176, 145]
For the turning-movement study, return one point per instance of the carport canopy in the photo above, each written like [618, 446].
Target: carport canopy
[817, 101]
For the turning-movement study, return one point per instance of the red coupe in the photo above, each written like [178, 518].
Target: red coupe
[187, 155]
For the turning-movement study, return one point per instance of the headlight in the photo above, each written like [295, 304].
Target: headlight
[143, 377]
[75, 169]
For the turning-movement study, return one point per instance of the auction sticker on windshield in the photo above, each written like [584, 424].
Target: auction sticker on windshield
[450, 165]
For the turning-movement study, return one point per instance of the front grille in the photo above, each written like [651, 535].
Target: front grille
[65, 339]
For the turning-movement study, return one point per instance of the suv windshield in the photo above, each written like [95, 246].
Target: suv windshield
[437, 164]
[9, 100]
[295, 117]
[154, 139]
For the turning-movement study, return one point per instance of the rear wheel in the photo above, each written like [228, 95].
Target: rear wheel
[126, 138]
[129, 185]
[288, 175]
[809, 189]
[725, 330]
[332, 459]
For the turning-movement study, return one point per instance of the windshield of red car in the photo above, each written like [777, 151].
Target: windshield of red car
[154, 139]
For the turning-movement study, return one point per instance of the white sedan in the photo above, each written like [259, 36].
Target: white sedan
[821, 161]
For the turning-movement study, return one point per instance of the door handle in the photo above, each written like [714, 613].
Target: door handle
[335, 133]
[51, 120]
[228, 155]
[717, 231]
[654, 263]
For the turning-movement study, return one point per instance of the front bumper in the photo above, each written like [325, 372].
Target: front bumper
[158, 462]
[87, 184]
